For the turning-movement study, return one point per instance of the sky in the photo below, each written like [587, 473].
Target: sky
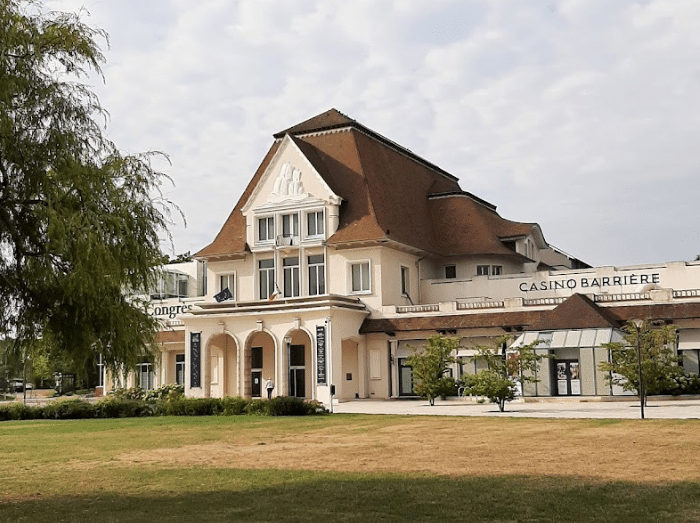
[580, 115]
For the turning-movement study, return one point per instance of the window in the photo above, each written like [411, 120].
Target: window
[290, 225]
[405, 287]
[360, 277]
[317, 275]
[450, 271]
[227, 281]
[180, 369]
[315, 223]
[485, 270]
[145, 376]
[100, 371]
[290, 269]
[266, 275]
[266, 229]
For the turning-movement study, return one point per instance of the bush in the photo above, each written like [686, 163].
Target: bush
[114, 407]
[233, 406]
[289, 406]
[166, 393]
[192, 407]
[19, 411]
[68, 409]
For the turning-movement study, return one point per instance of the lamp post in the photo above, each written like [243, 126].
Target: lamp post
[638, 327]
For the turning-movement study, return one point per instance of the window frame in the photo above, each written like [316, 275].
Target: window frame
[291, 277]
[454, 268]
[269, 278]
[319, 218]
[316, 274]
[360, 263]
[290, 221]
[405, 281]
[269, 229]
[231, 276]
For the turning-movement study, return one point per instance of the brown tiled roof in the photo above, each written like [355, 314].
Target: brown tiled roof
[463, 225]
[385, 190]
[577, 312]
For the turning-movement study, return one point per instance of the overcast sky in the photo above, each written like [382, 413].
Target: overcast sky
[581, 115]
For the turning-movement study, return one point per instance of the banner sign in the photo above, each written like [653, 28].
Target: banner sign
[320, 354]
[195, 358]
[590, 283]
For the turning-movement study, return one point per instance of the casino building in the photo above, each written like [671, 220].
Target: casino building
[346, 250]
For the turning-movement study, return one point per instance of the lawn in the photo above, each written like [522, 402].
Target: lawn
[350, 468]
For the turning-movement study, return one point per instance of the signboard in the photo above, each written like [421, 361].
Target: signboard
[321, 354]
[195, 359]
[590, 284]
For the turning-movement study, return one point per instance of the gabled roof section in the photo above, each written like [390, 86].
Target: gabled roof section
[465, 224]
[577, 312]
[331, 119]
[389, 194]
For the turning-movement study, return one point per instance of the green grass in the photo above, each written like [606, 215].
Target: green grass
[68, 471]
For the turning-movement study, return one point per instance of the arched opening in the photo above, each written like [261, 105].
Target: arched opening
[299, 364]
[259, 364]
[221, 377]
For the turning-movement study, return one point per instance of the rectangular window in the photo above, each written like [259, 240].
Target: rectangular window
[317, 275]
[100, 371]
[180, 369]
[405, 287]
[266, 276]
[360, 277]
[315, 223]
[146, 376]
[496, 270]
[290, 269]
[450, 271]
[482, 270]
[227, 281]
[290, 225]
[266, 229]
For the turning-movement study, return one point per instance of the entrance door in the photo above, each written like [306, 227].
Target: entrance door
[256, 367]
[568, 378]
[405, 379]
[297, 371]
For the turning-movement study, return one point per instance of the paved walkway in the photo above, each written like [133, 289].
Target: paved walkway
[592, 408]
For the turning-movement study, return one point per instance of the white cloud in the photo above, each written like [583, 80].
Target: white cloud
[580, 115]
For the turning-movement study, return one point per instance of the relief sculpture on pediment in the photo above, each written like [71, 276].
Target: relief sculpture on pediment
[288, 185]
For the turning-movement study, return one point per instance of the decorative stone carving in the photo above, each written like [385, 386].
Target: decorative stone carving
[288, 185]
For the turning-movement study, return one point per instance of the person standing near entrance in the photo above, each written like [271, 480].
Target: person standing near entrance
[269, 386]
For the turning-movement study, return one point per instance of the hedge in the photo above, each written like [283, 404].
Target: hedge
[123, 407]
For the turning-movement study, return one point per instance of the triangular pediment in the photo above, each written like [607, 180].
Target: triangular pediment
[290, 180]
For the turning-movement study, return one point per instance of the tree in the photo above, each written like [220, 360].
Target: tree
[430, 365]
[79, 221]
[660, 363]
[506, 368]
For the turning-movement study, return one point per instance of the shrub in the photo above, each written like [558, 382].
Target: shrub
[257, 407]
[192, 407]
[233, 406]
[68, 409]
[18, 411]
[114, 407]
[165, 393]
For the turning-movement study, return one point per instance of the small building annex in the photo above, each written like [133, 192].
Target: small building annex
[346, 249]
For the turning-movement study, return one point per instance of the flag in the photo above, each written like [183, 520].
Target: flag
[223, 295]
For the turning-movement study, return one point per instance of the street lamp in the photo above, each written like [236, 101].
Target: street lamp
[638, 327]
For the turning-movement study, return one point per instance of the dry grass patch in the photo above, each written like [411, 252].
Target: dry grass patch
[649, 451]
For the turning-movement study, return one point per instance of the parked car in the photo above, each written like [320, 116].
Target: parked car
[18, 385]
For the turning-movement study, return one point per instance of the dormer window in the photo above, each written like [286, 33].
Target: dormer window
[315, 223]
[290, 225]
[266, 229]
